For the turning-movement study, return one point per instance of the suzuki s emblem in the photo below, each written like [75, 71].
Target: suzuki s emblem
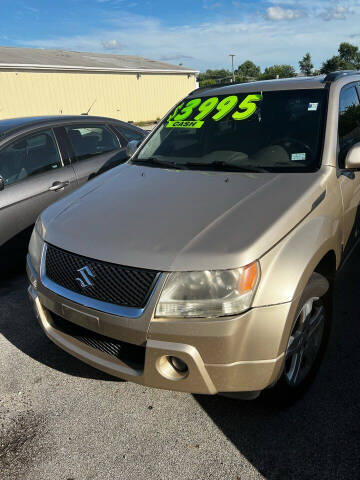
[84, 278]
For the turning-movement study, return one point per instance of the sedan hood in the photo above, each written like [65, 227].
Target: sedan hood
[172, 220]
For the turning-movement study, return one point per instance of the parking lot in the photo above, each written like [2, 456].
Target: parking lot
[60, 419]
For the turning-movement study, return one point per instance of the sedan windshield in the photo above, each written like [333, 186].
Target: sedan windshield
[275, 131]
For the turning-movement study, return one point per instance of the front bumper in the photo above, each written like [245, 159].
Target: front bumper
[237, 354]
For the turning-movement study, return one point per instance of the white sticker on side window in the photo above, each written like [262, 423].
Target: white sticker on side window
[295, 157]
[313, 107]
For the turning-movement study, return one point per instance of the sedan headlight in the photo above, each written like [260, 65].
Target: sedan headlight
[36, 245]
[211, 293]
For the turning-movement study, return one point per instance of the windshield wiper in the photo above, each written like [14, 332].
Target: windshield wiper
[153, 161]
[216, 165]
[223, 166]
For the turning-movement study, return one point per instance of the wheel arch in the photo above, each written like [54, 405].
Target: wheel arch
[286, 269]
[327, 266]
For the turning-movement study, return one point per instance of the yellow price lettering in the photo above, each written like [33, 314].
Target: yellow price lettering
[172, 115]
[225, 107]
[249, 106]
[187, 110]
[206, 108]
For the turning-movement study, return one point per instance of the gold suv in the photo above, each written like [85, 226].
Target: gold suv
[206, 262]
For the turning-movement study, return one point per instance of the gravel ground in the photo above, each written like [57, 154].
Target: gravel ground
[63, 420]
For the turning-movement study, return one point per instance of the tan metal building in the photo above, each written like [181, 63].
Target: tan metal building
[53, 82]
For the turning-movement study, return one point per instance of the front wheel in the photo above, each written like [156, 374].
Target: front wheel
[307, 343]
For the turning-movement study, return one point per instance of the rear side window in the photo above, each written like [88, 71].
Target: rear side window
[129, 134]
[349, 122]
[90, 140]
[29, 156]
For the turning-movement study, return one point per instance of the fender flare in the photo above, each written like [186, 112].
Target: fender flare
[287, 268]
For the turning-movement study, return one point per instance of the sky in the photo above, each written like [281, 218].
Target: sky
[197, 33]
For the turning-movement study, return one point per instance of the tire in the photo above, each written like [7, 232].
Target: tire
[307, 343]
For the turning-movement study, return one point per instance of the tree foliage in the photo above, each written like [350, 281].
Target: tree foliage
[348, 58]
[306, 65]
[220, 74]
[332, 65]
[349, 53]
[278, 71]
[248, 71]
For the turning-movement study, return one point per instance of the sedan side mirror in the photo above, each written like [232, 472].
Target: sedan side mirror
[2, 183]
[352, 160]
[131, 147]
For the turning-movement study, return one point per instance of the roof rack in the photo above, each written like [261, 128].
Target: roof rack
[333, 76]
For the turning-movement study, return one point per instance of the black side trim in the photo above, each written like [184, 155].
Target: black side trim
[318, 200]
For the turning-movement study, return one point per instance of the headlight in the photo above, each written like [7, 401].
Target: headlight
[36, 245]
[214, 293]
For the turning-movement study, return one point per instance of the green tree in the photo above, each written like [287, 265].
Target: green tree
[248, 71]
[349, 53]
[348, 58]
[281, 71]
[208, 82]
[332, 65]
[306, 65]
[217, 76]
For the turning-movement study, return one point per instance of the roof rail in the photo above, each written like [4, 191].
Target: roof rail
[333, 76]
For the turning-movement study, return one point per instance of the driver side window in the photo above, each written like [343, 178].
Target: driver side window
[29, 156]
[349, 122]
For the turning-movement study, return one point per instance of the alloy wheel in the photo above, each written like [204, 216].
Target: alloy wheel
[305, 341]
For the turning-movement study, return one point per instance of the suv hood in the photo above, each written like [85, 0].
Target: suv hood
[180, 219]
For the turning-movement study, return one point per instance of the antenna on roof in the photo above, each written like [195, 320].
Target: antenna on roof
[87, 113]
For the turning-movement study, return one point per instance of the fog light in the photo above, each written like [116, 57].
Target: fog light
[172, 368]
[178, 364]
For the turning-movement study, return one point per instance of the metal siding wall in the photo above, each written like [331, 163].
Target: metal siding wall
[122, 96]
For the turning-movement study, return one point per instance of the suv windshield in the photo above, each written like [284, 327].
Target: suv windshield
[275, 131]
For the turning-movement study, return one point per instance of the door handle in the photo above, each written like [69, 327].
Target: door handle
[59, 186]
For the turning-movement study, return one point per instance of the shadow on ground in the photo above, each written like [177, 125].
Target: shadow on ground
[318, 437]
[19, 326]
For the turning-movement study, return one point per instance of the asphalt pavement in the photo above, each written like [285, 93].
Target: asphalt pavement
[63, 420]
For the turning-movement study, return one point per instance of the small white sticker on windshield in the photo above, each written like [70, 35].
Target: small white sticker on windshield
[298, 157]
[313, 107]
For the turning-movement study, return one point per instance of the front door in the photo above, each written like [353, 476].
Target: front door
[349, 135]
[34, 176]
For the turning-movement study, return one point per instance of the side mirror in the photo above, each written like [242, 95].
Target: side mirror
[352, 160]
[2, 183]
[131, 147]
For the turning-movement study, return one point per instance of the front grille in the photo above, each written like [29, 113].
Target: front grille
[131, 355]
[107, 282]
